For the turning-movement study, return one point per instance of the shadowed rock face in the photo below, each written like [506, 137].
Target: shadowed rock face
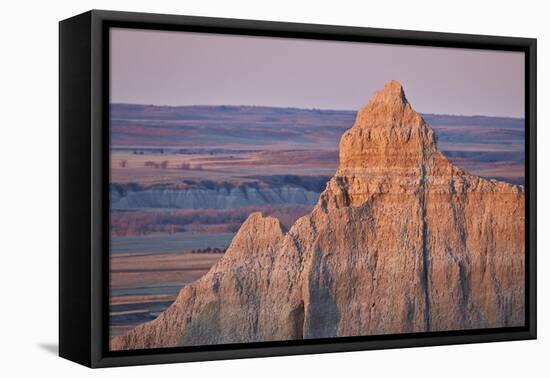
[400, 241]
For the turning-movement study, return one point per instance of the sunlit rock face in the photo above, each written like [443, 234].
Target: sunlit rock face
[400, 241]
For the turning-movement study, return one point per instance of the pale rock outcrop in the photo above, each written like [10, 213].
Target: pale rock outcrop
[400, 241]
[217, 198]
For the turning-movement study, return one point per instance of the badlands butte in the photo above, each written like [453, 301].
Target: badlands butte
[400, 241]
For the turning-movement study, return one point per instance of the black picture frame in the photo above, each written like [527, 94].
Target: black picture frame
[84, 183]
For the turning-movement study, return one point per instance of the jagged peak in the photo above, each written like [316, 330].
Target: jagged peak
[391, 92]
[387, 128]
[388, 108]
[256, 218]
[256, 234]
[268, 226]
[391, 148]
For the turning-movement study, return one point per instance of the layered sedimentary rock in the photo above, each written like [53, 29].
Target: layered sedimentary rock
[216, 198]
[400, 241]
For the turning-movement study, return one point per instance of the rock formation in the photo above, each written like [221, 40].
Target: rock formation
[216, 198]
[400, 241]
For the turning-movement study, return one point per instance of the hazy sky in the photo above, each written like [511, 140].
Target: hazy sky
[181, 68]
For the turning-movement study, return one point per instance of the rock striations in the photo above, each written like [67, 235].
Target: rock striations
[400, 241]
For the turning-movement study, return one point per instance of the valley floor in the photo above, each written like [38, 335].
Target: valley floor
[143, 283]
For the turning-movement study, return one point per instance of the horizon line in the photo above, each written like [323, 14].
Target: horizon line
[319, 109]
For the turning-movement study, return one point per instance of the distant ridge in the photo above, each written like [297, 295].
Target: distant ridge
[267, 107]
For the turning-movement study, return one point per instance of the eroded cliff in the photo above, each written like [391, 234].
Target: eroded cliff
[400, 241]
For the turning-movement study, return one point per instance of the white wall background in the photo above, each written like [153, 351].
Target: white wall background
[29, 186]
